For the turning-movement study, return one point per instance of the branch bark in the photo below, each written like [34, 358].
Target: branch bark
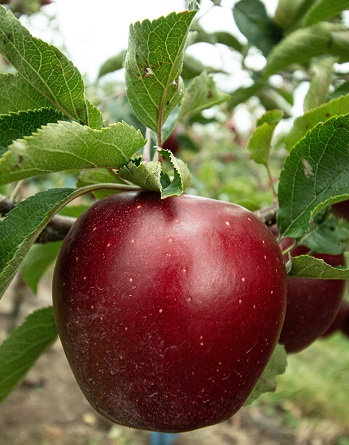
[59, 226]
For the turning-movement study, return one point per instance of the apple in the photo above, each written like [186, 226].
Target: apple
[345, 324]
[341, 209]
[168, 309]
[172, 142]
[312, 304]
[339, 320]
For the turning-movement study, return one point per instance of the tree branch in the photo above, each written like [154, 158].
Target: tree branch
[59, 226]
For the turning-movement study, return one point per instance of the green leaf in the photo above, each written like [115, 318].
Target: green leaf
[324, 10]
[153, 65]
[112, 64]
[37, 261]
[289, 12]
[254, 23]
[150, 175]
[98, 175]
[300, 46]
[304, 123]
[24, 346]
[330, 237]
[315, 175]
[44, 67]
[22, 225]
[320, 84]
[200, 95]
[95, 117]
[16, 94]
[267, 381]
[145, 174]
[17, 125]
[67, 146]
[306, 266]
[259, 144]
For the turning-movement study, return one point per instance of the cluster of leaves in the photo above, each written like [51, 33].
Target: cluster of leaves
[47, 125]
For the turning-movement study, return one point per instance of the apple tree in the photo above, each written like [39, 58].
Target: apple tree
[174, 310]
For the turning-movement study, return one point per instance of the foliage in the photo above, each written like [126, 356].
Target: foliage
[48, 125]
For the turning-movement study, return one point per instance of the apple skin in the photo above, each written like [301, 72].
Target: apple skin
[341, 209]
[339, 320]
[312, 304]
[168, 310]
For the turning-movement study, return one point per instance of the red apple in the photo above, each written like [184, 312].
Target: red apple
[172, 143]
[339, 321]
[341, 209]
[345, 324]
[312, 304]
[168, 310]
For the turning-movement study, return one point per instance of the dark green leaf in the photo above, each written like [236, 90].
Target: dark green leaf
[22, 225]
[36, 262]
[252, 20]
[17, 125]
[24, 346]
[44, 67]
[315, 175]
[16, 94]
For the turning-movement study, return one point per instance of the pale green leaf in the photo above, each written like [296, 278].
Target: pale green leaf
[145, 174]
[300, 46]
[259, 144]
[320, 83]
[304, 123]
[153, 65]
[268, 380]
[66, 146]
[288, 13]
[112, 64]
[24, 346]
[44, 67]
[200, 95]
[36, 262]
[315, 175]
[324, 10]
[306, 266]
[150, 175]
[98, 175]
[24, 123]
[329, 237]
